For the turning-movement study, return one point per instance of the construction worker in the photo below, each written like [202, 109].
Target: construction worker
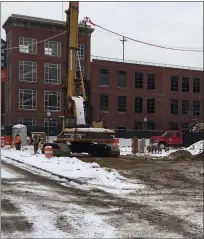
[41, 143]
[17, 141]
[35, 143]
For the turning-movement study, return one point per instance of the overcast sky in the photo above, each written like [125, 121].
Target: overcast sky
[178, 24]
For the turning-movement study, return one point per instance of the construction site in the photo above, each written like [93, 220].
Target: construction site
[88, 181]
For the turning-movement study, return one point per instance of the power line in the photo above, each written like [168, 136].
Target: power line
[143, 42]
[17, 47]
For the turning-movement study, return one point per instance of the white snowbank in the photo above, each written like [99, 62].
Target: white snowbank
[196, 148]
[125, 150]
[90, 173]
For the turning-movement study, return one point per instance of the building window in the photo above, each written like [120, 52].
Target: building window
[185, 84]
[185, 107]
[27, 121]
[52, 73]
[174, 107]
[139, 80]
[174, 83]
[184, 126]
[27, 99]
[53, 122]
[196, 107]
[173, 126]
[151, 126]
[196, 85]
[27, 45]
[122, 79]
[52, 100]
[28, 71]
[150, 105]
[104, 77]
[138, 125]
[121, 103]
[81, 51]
[138, 105]
[151, 78]
[104, 102]
[53, 48]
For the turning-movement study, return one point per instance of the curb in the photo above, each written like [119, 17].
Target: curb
[44, 170]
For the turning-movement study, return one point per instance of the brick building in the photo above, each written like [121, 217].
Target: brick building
[126, 93]
[36, 68]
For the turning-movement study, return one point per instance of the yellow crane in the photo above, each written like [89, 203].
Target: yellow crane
[76, 135]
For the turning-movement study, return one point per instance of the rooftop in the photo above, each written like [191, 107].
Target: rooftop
[145, 63]
[16, 17]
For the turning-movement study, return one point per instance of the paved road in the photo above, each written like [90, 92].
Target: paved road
[35, 206]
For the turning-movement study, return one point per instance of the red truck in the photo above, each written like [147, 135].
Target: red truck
[171, 138]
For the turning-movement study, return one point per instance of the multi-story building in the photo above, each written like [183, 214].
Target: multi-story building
[139, 95]
[36, 68]
[132, 95]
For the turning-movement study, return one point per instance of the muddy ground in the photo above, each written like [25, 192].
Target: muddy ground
[171, 205]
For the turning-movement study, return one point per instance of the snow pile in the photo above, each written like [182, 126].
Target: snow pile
[125, 150]
[73, 168]
[196, 148]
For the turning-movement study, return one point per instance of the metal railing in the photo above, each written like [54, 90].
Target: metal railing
[144, 63]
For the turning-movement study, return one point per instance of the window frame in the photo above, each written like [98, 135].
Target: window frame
[185, 84]
[122, 104]
[106, 107]
[123, 80]
[196, 86]
[188, 108]
[50, 124]
[174, 83]
[34, 92]
[177, 108]
[139, 123]
[106, 71]
[58, 94]
[194, 106]
[33, 66]
[151, 105]
[139, 80]
[151, 81]
[58, 47]
[137, 105]
[33, 42]
[21, 121]
[81, 51]
[59, 74]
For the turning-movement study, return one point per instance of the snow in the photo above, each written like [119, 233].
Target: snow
[94, 130]
[125, 150]
[90, 174]
[196, 148]
[5, 173]
[19, 126]
[79, 102]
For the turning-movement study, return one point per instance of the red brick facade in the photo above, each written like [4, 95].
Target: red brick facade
[27, 27]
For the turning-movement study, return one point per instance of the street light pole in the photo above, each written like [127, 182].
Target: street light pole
[145, 123]
[123, 42]
[48, 131]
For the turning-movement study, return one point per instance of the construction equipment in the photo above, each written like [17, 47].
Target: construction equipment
[79, 133]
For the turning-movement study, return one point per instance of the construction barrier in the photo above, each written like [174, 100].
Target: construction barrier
[48, 152]
[116, 143]
[2, 142]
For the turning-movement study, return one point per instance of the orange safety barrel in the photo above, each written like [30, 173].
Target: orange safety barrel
[2, 142]
[48, 152]
[116, 143]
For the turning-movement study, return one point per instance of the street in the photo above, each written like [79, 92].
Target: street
[170, 205]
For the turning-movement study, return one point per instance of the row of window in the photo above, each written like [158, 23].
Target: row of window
[52, 122]
[139, 125]
[52, 72]
[28, 100]
[151, 81]
[51, 48]
[151, 105]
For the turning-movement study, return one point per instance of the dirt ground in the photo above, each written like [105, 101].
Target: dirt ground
[171, 206]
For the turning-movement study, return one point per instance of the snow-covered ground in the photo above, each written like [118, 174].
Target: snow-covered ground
[194, 149]
[90, 174]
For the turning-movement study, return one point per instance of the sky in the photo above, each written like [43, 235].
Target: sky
[177, 24]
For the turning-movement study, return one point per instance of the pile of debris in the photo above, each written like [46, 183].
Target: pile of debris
[179, 155]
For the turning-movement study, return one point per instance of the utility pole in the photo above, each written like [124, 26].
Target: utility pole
[123, 42]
